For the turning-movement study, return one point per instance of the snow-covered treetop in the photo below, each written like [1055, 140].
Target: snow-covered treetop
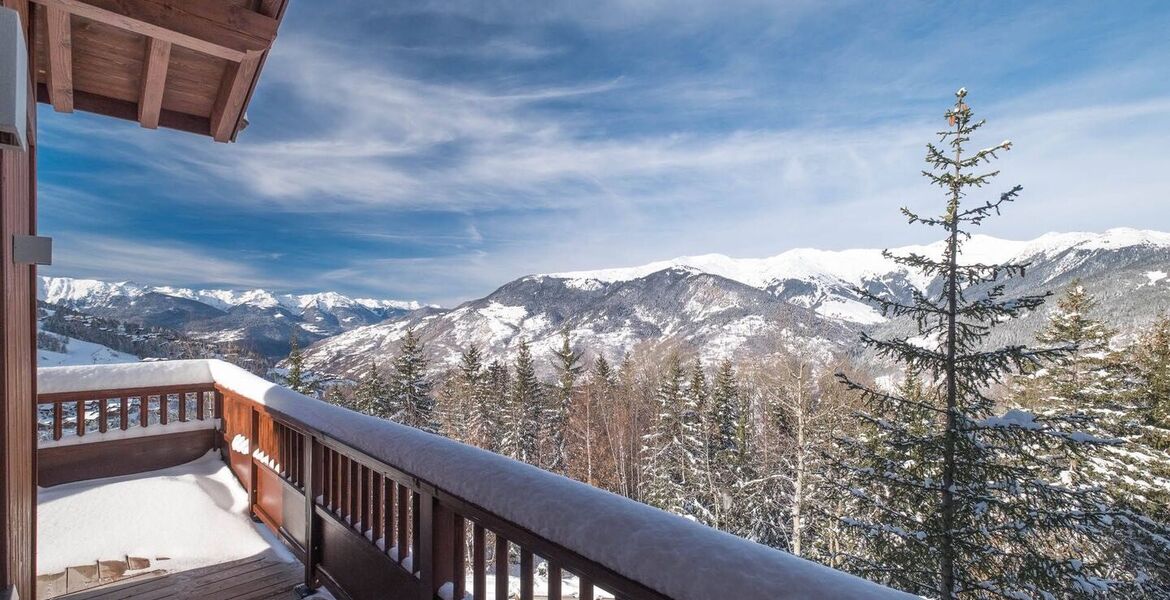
[668, 553]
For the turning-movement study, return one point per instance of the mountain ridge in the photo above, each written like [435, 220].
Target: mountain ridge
[729, 307]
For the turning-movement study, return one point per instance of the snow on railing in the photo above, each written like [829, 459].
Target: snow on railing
[388, 487]
[111, 402]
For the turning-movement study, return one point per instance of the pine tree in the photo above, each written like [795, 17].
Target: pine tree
[725, 415]
[498, 404]
[1151, 369]
[341, 394]
[595, 427]
[706, 505]
[567, 364]
[472, 391]
[1133, 473]
[372, 394]
[672, 447]
[296, 379]
[730, 465]
[1081, 380]
[975, 507]
[527, 405]
[410, 401]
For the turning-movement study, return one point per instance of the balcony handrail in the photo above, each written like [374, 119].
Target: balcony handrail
[622, 545]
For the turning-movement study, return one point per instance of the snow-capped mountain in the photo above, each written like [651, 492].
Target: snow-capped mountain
[727, 307]
[259, 319]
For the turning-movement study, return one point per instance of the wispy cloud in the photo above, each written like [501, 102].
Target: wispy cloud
[437, 149]
[158, 263]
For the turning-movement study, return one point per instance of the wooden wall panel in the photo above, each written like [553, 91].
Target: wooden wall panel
[18, 359]
[95, 460]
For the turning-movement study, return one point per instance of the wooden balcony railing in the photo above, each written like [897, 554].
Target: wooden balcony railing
[107, 410]
[377, 510]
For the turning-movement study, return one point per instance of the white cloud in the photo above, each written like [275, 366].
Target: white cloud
[160, 263]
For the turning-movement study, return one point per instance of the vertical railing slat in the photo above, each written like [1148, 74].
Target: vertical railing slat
[478, 564]
[388, 500]
[182, 407]
[501, 566]
[355, 494]
[458, 554]
[103, 414]
[585, 588]
[144, 410]
[403, 522]
[123, 414]
[426, 546]
[526, 580]
[312, 475]
[376, 527]
[343, 494]
[415, 531]
[554, 581]
[201, 406]
[80, 410]
[365, 502]
[164, 411]
[58, 420]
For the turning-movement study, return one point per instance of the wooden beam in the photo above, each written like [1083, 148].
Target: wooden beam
[60, 67]
[154, 80]
[233, 92]
[121, 109]
[271, 8]
[212, 27]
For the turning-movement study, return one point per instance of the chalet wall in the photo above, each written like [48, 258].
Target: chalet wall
[18, 361]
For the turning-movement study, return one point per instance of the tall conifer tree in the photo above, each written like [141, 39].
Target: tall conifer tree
[970, 505]
[410, 400]
[296, 379]
[528, 405]
[567, 363]
[372, 394]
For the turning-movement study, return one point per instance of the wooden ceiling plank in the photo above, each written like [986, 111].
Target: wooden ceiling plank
[207, 26]
[233, 92]
[154, 81]
[60, 67]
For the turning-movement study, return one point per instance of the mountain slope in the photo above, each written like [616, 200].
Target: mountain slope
[258, 319]
[723, 317]
[732, 307]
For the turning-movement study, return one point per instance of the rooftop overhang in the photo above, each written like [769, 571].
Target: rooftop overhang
[189, 65]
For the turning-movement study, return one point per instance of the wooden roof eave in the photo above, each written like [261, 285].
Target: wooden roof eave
[227, 38]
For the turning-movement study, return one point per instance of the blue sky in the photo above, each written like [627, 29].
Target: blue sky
[434, 150]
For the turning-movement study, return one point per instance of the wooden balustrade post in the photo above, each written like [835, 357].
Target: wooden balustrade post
[312, 477]
[253, 470]
[442, 554]
[423, 562]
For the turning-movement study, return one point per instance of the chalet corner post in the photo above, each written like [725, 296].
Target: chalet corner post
[17, 346]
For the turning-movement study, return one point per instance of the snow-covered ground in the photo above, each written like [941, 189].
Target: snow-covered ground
[82, 353]
[193, 515]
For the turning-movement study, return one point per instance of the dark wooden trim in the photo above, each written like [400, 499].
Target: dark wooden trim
[95, 460]
[132, 392]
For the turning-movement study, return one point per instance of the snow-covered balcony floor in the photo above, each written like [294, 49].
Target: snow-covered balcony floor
[190, 522]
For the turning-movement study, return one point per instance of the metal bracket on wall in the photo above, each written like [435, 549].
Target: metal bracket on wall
[32, 250]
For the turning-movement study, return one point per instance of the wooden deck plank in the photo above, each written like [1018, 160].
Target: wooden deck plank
[245, 579]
